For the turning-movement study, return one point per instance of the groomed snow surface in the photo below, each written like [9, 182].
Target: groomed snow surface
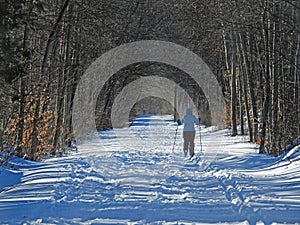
[131, 176]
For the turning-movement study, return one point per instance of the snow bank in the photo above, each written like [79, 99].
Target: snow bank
[9, 178]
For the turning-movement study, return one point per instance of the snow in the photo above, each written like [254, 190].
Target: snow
[9, 178]
[131, 176]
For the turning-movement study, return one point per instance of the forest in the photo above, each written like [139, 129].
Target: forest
[252, 47]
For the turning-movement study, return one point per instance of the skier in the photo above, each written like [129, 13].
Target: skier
[189, 131]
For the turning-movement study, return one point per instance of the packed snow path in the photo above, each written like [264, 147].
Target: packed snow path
[131, 176]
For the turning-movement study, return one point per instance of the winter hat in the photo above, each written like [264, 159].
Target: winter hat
[189, 111]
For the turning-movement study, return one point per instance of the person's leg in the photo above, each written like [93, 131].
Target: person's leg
[191, 137]
[185, 142]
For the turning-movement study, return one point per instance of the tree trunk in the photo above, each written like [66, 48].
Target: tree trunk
[233, 87]
[22, 87]
[297, 82]
[245, 65]
[267, 91]
[275, 107]
[251, 79]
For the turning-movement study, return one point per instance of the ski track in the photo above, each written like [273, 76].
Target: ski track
[118, 181]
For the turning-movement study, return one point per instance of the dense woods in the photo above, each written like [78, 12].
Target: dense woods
[252, 47]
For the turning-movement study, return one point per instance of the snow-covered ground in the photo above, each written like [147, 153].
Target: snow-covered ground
[132, 176]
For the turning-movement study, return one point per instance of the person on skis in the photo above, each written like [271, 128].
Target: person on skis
[189, 120]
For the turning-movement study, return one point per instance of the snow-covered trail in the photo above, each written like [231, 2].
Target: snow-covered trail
[131, 176]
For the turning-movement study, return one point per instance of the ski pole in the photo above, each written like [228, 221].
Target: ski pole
[200, 137]
[175, 138]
